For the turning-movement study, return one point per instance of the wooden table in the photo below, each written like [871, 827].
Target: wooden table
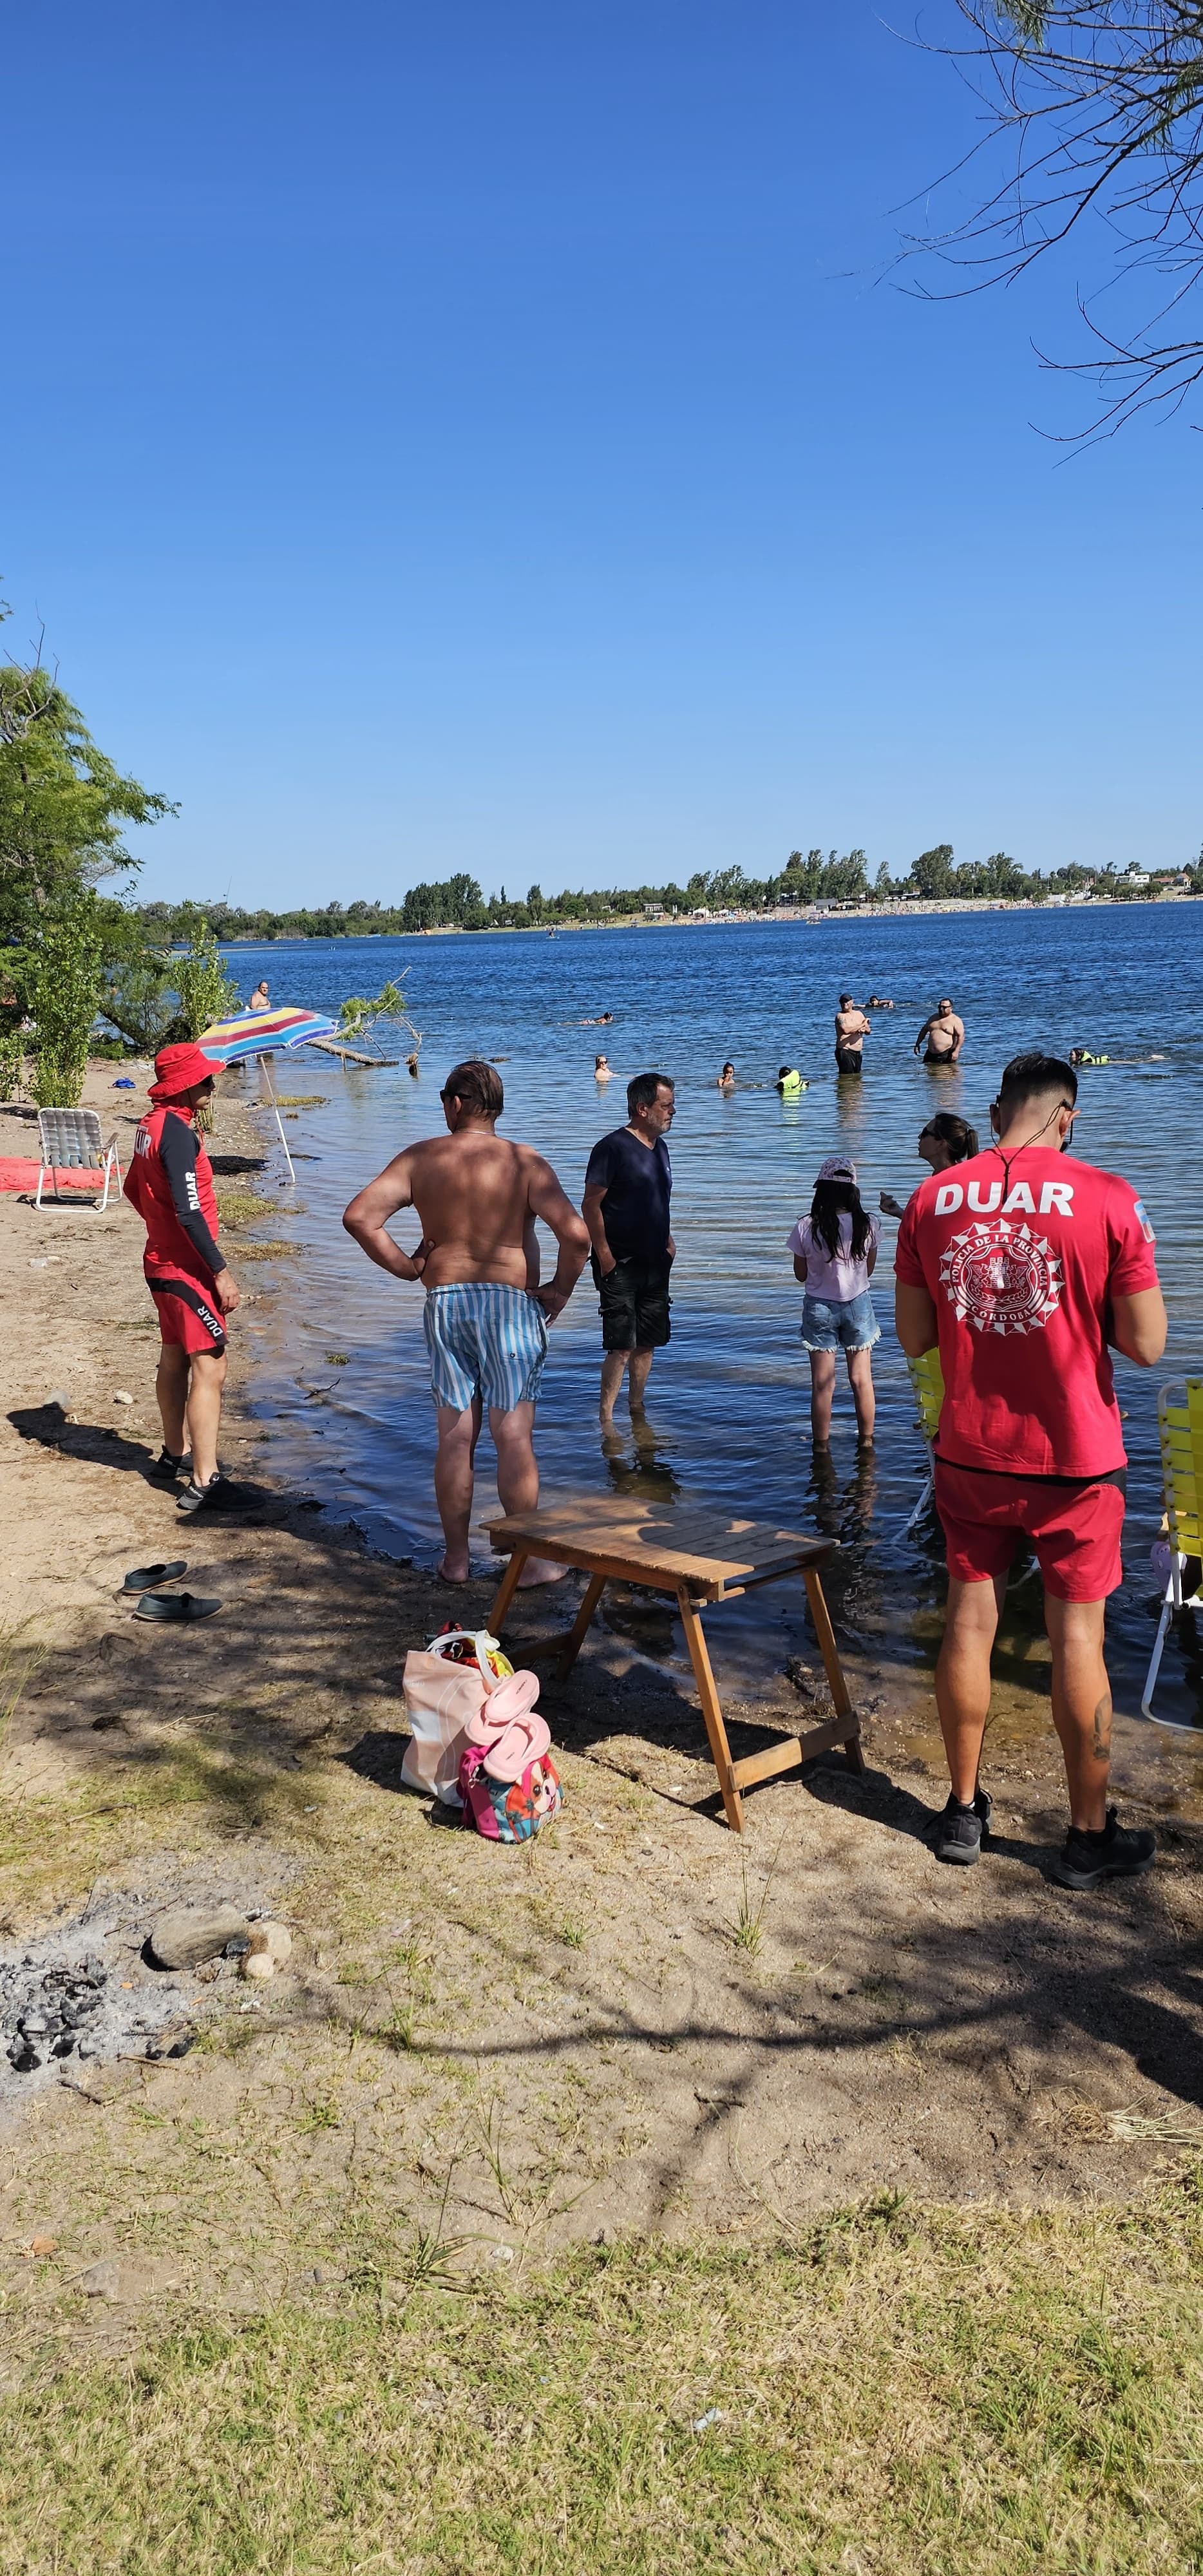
[699, 1558]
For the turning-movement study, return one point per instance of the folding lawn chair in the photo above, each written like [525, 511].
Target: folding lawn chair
[69, 1140]
[1180, 1429]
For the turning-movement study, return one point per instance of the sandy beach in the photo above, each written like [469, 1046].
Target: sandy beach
[593, 1999]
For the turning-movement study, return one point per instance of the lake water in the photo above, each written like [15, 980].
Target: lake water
[729, 1398]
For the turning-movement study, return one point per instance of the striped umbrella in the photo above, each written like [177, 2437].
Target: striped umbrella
[260, 1033]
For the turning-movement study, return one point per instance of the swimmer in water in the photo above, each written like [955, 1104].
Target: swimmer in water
[878, 1002]
[851, 1030]
[726, 1080]
[943, 1035]
[790, 1082]
[944, 1140]
[603, 1070]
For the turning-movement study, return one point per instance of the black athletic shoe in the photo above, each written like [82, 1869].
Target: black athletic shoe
[962, 1830]
[167, 1468]
[1119, 1851]
[219, 1495]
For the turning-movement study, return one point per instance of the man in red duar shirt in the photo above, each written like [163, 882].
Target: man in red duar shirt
[170, 1182]
[1023, 1265]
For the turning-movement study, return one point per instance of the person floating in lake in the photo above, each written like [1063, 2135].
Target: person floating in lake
[1082, 1055]
[835, 1249]
[790, 1082]
[603, 1070]
[944, 1140]
[943, 1035]
[1021, 1266]
[487, 1317]
[878, 1002]
[851, 1030]
[726, 1080]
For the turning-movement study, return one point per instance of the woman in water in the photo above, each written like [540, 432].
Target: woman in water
[603, 1070]
[944, 1140]
[726, 1080]
[834, 1250]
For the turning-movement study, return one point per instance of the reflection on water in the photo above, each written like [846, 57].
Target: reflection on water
[729, 1399]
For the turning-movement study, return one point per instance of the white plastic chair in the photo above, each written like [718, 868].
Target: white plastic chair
[69, 1140]
[1180, 1430]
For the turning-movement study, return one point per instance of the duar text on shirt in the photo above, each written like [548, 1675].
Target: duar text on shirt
[1022, 1255]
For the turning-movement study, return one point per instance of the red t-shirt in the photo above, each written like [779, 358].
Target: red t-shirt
[170, 1182]
[1022, 1283]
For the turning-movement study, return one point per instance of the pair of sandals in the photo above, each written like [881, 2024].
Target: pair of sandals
[171, 1609]
[510, 1728]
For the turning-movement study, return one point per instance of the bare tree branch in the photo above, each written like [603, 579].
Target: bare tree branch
[1099, 106]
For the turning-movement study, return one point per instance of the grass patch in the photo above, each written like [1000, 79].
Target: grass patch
[301, 1099]
[902, 2393]
[268, 1251]
[242, 1207]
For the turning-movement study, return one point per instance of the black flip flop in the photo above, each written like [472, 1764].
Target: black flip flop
[144, 1577]
[174, 1607]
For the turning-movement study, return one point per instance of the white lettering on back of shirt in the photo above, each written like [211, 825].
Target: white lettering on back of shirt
[1056, 1198]
[948, 1197]
[984, 1206]
[1020, 1197]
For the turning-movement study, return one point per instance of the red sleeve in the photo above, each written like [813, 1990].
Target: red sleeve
[1133, 1260]
[907, 1264]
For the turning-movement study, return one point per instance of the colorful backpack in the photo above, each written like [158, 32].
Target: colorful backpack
[507, 1780]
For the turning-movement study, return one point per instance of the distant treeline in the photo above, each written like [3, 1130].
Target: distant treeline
[819, 877]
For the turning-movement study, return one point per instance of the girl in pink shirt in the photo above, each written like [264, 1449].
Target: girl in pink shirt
[835, 1249]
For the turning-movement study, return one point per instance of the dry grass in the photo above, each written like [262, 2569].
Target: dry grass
[900, 2394]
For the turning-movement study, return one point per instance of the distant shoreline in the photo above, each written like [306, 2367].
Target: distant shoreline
[815, 917]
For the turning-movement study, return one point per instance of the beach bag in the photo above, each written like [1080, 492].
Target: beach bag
[507, 1779]
[440, 1697]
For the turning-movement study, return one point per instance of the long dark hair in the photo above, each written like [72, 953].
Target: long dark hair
[831, 1201]
[956, 1133]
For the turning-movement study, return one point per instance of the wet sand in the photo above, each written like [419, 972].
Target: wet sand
[876, 2022]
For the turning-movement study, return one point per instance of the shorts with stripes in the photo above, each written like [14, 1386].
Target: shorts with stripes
[484, 1340]
[188, 1316]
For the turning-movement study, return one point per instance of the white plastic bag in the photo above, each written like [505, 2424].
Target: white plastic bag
[439, 1700]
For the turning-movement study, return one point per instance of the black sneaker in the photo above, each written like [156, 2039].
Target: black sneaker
[962, 1830]
[221, 1494]
[167, 1468]
[1119, 1851]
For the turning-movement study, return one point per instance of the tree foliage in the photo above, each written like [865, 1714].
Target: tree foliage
[1098, 107]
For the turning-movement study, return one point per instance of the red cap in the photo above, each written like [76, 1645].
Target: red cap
[178, 1067]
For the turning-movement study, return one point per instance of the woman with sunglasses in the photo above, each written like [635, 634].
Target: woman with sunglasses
[944, 1140]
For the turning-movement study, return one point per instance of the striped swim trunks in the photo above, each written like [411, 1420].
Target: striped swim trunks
[484, 1340]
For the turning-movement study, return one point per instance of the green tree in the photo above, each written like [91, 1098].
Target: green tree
[58, 976]
[205, 991]
[883, 883]
[932, 874]
[63, 804]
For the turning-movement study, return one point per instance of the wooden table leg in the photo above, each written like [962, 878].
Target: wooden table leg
[575, 1640]
[716, 1731]
[506, 1589]
[830, 1652]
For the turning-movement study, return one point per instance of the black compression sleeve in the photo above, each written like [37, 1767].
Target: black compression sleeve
[177, 1153]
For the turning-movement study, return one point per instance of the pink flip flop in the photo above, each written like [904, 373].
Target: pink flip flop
[507, 1725]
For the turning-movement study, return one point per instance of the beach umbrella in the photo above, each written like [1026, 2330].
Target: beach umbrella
[259, 1033]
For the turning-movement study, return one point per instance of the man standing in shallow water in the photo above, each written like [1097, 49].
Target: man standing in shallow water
[477, 1197]
[628, 1185]
[851, 1030]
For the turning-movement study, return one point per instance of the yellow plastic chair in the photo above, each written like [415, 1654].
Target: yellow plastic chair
[1180, 1430]
[927, 1387]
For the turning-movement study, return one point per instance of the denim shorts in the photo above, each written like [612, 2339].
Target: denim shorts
[827, 1326]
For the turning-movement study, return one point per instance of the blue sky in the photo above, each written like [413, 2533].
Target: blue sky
[461, 437]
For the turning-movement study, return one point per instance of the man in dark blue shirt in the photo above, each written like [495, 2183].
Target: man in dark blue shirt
[626, 1208]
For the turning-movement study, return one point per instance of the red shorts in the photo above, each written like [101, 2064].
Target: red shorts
[1074, 1529]
[188, 1317]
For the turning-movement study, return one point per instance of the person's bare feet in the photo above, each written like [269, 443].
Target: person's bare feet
[539, 1569]
[443, 1573]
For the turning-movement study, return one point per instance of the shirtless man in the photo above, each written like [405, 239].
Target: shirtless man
[477, 1198]
[851, 1030]
[943, 1034]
